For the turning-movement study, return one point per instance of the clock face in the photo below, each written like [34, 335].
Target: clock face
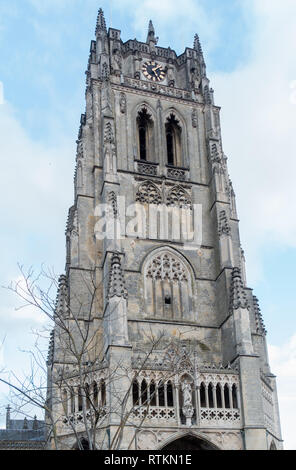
[154, 71]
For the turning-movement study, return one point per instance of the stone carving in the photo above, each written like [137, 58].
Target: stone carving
[195, 79]
[148, 193]
[166, 266]
[197, 45]
[177, 174]
[122, 103]
[50, 356]
[224, 227]
[105, 72]
[147, 169]
[72, 222]
[207, 95]
[238, 298]
[112, 200]
[194, 119]
[101, 23]
[62, 302]
[116, 279]
[187, 409]
[260, 327]
[178, 197]
[171, 75]
[109, 134]
[136, 83]
[117, 62]
[146, 440]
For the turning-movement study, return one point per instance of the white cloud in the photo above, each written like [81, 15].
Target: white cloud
[283, 363]
[172, 22]
[32, 177]
[258, 127]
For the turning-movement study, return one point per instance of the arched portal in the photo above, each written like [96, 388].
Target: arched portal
[189, 443]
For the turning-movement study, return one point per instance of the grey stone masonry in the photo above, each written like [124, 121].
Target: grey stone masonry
[154, 255]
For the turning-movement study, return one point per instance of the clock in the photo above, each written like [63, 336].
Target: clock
[154, 71]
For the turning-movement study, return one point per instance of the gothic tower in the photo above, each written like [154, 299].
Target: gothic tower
[158, 341]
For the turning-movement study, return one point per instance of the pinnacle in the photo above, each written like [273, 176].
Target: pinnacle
[116, 279]
[101, 23]
[151, 33]
[238, 297]
[197, 45]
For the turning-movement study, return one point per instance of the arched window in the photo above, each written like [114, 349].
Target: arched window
[234, 396]
[170, 394]
[219, 396]
[144, 393]
[145, 135]
[152, 392]
[168, 286]
[80, 407]
[227, 396]
[203, 401]
[87, 396]
[161, 397]
[135, 393]
[96, 394]
[73, 408]
[174, 141]
[211, 396]
[103, 393]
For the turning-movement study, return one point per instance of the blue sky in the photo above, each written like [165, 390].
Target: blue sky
[249, 50]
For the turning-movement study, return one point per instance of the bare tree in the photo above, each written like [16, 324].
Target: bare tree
[74, 385]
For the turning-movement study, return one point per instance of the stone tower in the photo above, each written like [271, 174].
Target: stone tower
[158, 342]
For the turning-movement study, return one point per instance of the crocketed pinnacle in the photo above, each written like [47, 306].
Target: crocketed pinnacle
[101, 23]
[224, 227]
[62, 297]
[238, 298]
[197, 45]
[151, 33]
[260, 327]
[116, 279]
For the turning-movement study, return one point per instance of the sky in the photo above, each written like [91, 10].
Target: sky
[249, 50]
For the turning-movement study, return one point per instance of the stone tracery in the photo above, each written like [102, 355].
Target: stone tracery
[168, 287]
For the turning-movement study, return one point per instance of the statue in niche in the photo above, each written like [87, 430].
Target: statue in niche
[187, 393]
[187, 409]
[123, 103]
[117, 62]
[195, 79]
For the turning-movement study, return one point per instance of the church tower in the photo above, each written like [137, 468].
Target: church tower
[158, 343]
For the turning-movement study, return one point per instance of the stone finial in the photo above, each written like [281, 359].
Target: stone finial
[50, 356]
[108, 134]
[238, 298]
[260, 327]
[197, 45]
[151, 34]
[224, 227]
[62, 296]
[35, 424]
[116, 279]
[25, 426]
[101, 23]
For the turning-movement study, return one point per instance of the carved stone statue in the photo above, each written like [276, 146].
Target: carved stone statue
[187, 393]
[187, 409]
[123, 103]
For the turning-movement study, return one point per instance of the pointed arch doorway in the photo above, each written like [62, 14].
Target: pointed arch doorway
[189, 442]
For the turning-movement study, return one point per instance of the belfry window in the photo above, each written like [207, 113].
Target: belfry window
[145, 135]
[174, 141]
